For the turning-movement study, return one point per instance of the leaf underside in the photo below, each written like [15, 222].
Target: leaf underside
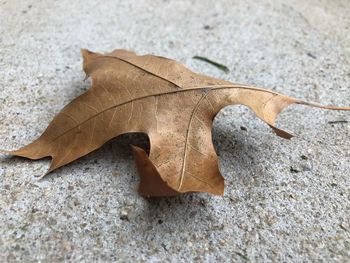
[174, 106]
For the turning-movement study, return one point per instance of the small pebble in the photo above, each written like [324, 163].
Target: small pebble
[124, 215]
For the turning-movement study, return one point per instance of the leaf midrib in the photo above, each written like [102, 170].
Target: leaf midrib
[210, 88]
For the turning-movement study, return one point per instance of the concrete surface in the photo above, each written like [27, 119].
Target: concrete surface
[285, 201]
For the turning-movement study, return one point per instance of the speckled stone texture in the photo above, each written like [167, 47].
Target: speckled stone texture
[285, 201]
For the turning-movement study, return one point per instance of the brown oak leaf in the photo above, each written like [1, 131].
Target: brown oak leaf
[160, 97]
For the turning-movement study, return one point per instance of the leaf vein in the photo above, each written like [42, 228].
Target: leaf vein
[187, 138]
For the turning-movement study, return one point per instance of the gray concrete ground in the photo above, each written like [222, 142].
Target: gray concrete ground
[285, 201]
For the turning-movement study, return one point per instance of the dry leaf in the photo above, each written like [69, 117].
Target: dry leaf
[161, 98]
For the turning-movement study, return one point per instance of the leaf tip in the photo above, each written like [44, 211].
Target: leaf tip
[51, 168]
[5, 152]
[85, 52]
[282, 133]
[88, 57]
